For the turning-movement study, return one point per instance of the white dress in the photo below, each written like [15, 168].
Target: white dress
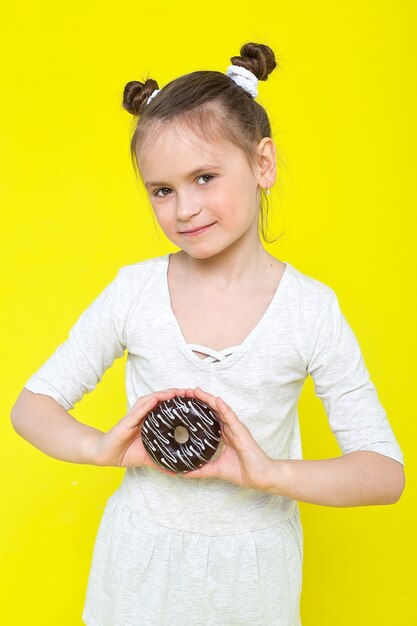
[206, 552]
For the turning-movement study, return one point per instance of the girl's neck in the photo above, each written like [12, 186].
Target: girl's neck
[229, 268]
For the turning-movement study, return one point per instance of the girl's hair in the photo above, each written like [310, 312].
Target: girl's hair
[208, 103]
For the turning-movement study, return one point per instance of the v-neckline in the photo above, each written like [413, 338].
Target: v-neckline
[239, 349]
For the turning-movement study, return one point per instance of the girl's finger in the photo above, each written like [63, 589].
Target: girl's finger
[163, 394]
[217, 404]
[136, 416]
[228, 416]
[146, 403]
[206, 397]
[224, 412]
[236, 432]
[141, 403]
[231, 426]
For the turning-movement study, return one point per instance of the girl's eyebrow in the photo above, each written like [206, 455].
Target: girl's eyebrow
[191, 174]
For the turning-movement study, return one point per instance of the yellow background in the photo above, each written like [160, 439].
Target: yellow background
[342, 105]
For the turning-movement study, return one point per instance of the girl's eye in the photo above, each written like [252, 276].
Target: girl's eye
[158, 195]
[161, 189]
[209, 176]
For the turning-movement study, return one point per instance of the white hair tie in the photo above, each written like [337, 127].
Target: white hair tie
[244, 78]
[240, 75]
[153, 94]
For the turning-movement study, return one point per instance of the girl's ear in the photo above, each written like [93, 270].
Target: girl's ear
[266, 162]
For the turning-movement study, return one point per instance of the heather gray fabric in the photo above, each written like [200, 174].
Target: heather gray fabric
[206, 552]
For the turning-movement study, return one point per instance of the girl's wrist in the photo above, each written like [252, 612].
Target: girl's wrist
[91, 446]
[277, 479]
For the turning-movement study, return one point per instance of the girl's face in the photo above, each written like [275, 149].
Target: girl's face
[205, 197]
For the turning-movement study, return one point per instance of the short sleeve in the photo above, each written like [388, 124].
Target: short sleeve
[78, 364]
[342, 382]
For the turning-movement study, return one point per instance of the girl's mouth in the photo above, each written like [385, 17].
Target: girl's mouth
[197, 231]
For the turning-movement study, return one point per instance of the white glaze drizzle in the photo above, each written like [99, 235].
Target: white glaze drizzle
[189, 453]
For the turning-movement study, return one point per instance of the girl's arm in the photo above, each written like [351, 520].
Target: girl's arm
[354, 479]
[43, 422]
[357, 478]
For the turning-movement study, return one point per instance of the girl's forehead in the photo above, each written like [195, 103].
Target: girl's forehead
[174, 142]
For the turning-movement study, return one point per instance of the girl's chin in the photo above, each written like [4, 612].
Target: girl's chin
[200, 254]
[204, 250]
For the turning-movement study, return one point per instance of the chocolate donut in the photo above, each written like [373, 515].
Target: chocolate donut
[188, 447]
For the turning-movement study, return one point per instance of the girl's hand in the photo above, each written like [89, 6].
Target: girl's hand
[122, 445]
[241, 461]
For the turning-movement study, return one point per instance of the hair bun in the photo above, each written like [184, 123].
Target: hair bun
[257, 58]
[136, 94]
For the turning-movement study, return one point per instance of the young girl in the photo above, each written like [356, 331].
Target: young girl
[223, 321]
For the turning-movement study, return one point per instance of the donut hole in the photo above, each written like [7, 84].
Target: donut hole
[181, 434]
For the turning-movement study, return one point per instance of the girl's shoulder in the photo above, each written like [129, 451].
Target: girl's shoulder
[137, 283]
[134, 280]
[309, 288]
[136, 273]
[144, 265]
[310, 300]
[312, 305]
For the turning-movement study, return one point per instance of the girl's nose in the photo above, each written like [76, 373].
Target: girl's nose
[186, 208]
